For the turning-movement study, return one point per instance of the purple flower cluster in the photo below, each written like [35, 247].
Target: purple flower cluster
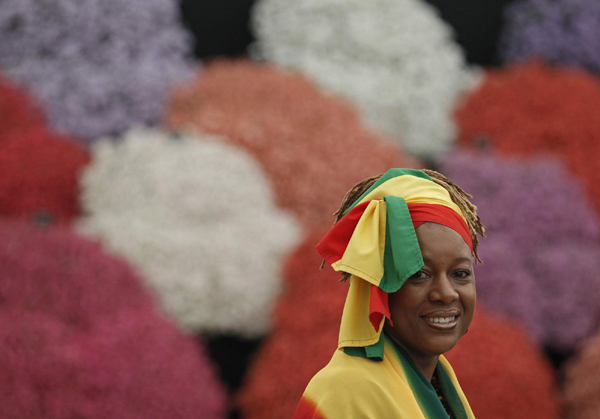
[563, 31]
[80, 337]
[98, 66]
[541, 257]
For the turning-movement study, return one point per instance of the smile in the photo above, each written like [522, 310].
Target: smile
[441, 323]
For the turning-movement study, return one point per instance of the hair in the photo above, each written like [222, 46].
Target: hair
[457, 194]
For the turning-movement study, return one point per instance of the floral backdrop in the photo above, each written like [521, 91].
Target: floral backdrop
[166, 169]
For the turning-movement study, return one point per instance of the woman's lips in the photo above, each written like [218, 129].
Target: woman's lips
[441, 322]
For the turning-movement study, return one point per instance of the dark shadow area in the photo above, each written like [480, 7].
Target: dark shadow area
[220, 27]
[477, 24]
[233, 356]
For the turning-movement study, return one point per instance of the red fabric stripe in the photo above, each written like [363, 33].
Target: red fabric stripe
[335, 242]
[307, 410]
[440, 214]
[379, 307]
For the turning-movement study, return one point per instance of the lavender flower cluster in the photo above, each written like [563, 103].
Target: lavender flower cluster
[98, 66]
[394, 59]
[198, 219]
[564, 31]
[541, 257]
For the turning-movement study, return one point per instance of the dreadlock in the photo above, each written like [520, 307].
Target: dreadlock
[457, 194]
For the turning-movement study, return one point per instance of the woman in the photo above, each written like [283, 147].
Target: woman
[406, 241]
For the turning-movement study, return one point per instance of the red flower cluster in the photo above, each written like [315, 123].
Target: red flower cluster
[39, 173]
[80, 337]
[306, 325]
[502, 372]
[17, 111]
[536, 108]
[312, 146]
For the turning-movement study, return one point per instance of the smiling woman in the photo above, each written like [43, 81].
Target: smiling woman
[435, 306]
[407, 241]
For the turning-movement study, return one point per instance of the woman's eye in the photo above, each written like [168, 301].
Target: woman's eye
[419, 275]
[463, 273]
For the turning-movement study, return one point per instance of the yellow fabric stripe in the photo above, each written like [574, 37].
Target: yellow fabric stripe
[364, 254]
[358, 388]
[356, 330]
[414, 190]
[462, 396]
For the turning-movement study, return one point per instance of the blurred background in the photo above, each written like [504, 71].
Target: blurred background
[167, 168]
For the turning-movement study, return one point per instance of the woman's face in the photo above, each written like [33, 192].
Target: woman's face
[434, 307]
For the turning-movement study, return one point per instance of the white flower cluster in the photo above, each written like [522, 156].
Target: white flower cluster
[395, 59]
[198, 219]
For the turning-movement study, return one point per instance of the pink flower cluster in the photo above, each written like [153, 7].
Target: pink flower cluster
[312, 146]
[81, 338]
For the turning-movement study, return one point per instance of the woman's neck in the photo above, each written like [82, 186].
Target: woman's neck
[425, 364]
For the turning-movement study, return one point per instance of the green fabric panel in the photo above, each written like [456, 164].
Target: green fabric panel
[449, 392]
[402, 256]
[428, 400]
[390, 174]
[373, 352]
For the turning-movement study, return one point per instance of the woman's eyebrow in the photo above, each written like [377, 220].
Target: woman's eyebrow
[456, 260]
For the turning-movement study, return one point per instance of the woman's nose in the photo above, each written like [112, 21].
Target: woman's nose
[442, 289]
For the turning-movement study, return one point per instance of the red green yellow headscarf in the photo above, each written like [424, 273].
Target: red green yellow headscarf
[375, 242]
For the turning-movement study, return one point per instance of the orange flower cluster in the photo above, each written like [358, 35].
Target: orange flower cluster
[312, 146]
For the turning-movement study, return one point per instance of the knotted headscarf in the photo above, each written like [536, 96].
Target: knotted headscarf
[375, 241]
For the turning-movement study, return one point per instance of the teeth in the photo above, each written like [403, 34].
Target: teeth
[440, 319]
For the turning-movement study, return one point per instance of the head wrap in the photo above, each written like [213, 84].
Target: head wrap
[375, 241]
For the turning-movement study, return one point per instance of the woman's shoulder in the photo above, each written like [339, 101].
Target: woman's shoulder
[349, 372]
[350, 387]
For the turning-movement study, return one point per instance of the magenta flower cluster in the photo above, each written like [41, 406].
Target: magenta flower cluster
[80, 337]
[564, 31]
[98, 66]
[541, 255]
